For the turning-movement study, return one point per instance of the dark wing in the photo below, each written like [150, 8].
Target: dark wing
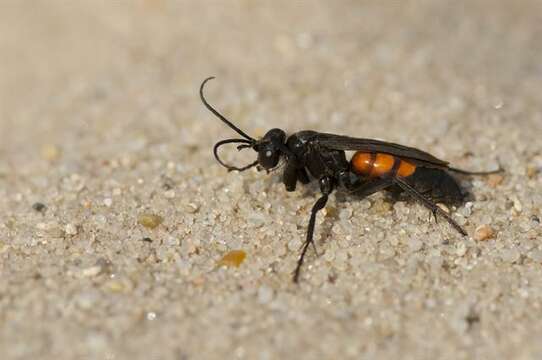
[346, 143]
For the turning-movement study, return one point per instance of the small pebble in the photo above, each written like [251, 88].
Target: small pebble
[436, 262]
[341, 257]
[445, 208]
[536, 255]
[365, 204]
[91, 271]
[70, 229]
[518, 206]
[50, 152]
[39, 207]
[484, 232]
[191, 208]
[382, 207]
[495, 180]
[115, 286]
[265, 294]
[466, 210]
[329, 255]
[330, 211]
[532, 171]
[99, 220]
[87, 299]
[461, 249]
[74, 183]
[168, 183]
[345, 213]
[150, 221]
[294, 244]
[386, 252]
[461, 219]
[415, 244]
[233, 258]
[510, 255]
[50, 229]
[121, 285]
[108, 202]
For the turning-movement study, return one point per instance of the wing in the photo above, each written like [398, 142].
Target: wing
[346, 143]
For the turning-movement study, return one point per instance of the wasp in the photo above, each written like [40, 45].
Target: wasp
[375, 166]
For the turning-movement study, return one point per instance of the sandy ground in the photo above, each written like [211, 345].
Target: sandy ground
[101, 123]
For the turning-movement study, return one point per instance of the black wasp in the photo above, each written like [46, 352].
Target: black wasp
[375, 166]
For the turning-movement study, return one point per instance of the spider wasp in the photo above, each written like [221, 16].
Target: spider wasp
[376, 165]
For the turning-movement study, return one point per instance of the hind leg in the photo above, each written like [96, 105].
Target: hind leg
[363, 186]
[428, 204]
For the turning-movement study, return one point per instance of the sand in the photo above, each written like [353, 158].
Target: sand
[102, 132]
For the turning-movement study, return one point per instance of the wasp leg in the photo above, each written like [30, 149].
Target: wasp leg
[302, 176]
[429, 204]
[363, 186]
[371, 187]
[433, 214]
[294, 173]
[362, 189]
[290, 174]
[326, 186]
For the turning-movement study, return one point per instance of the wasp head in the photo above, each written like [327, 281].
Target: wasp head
[269, 148]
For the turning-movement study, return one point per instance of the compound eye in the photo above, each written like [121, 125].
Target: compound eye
[268, 157]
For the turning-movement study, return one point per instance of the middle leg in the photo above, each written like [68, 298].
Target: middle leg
[363, 189]
[326, 186]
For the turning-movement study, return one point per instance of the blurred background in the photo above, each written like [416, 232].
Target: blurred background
[102, 95]
[378, 60]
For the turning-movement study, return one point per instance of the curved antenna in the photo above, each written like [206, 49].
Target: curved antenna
[245, 144]
[219, 115]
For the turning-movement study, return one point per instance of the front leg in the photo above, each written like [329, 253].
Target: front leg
[292, 173]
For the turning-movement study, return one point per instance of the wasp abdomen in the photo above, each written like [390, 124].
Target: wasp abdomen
[380, 164]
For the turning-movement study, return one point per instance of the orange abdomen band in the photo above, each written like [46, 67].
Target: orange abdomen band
[362, 163]
[380, 164]
[406, 169]
[383, 164]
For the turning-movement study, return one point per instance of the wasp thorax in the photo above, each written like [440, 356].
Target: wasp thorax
[269, 148]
